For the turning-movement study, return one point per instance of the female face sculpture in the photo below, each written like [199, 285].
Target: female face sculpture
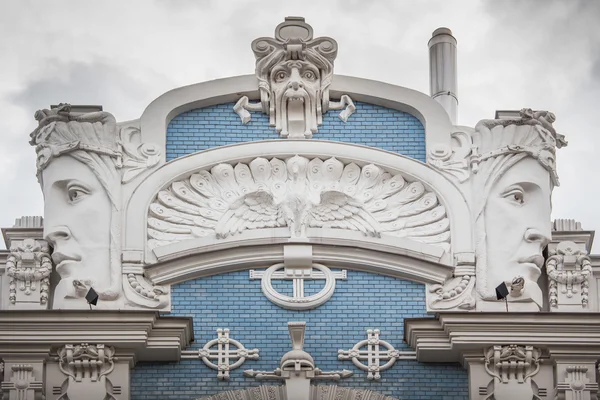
[78, 160]
[77, 224]
[514, 161]
[517, 221]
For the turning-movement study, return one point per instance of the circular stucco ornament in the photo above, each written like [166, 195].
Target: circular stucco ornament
[298, 301]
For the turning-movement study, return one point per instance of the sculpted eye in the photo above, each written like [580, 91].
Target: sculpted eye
[280, 76]
[309, 75]
[515, 195]
[76, 193]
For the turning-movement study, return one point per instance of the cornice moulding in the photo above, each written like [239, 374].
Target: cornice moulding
[150, 336]
[451, 337]
[10, 234]
[184, 261]
[586, 237]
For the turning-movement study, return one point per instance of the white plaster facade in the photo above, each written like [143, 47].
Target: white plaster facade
[123, 221]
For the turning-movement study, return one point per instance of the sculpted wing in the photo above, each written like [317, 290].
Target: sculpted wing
[252, 211]
[223, 201]
[408, 210]
[338, 210]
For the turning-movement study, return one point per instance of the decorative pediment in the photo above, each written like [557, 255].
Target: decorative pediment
[299, 193]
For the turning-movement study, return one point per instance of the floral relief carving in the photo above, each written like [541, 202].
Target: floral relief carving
[298, 193]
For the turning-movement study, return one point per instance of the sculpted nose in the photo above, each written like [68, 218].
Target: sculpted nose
[535, 235]
[295, 84]
[56, 234]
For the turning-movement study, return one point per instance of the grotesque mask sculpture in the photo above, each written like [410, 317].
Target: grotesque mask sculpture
[514, 166]
[294, 73]
[78, 161]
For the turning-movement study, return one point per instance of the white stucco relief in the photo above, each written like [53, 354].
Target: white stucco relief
[507, 168]
[378, 356]
[297, 369]
[569, 271]
[513, 369]
[28, 267]
[83, 158]
[87, 370]
[298, 193]
[224, 358]
[294, 72]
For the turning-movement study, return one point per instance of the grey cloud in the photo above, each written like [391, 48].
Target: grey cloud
[117, 90]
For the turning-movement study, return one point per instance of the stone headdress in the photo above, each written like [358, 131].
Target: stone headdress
[60, 131]
[532, 134]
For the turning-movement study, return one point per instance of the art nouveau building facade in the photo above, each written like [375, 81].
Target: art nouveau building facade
[294, 234]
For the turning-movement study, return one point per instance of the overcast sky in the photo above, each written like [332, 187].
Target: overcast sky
[541, 54]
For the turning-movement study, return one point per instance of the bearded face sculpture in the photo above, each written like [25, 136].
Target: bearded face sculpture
[295, 86]
[294, 72]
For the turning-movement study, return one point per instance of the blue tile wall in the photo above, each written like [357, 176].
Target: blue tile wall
[370, 125]
[235, 302]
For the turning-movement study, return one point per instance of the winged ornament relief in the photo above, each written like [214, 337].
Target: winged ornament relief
[298, 193]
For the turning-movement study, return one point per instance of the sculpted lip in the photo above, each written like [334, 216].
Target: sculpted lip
[537, 260]
[60, 259]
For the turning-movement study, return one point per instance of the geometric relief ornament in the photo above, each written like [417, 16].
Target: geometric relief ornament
[373, 355]
[512, 368]
[576, 385]
[223, 354]
[86, 367]
[298, 301]
[22, 384]
[297, 368]
[29, 266]
[294, 72]
[298, 193]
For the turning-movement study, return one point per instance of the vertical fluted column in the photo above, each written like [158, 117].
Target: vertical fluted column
[442, 71]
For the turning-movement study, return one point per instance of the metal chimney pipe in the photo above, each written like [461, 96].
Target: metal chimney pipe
[442, 71]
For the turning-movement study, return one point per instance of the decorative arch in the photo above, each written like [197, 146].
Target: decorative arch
[161, 111]
[395, 256]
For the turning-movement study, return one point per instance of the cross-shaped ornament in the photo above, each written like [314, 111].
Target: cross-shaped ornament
[374, 355]
[223, 358]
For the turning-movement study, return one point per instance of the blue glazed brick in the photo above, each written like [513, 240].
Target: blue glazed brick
[370, 125]
[363, 301]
